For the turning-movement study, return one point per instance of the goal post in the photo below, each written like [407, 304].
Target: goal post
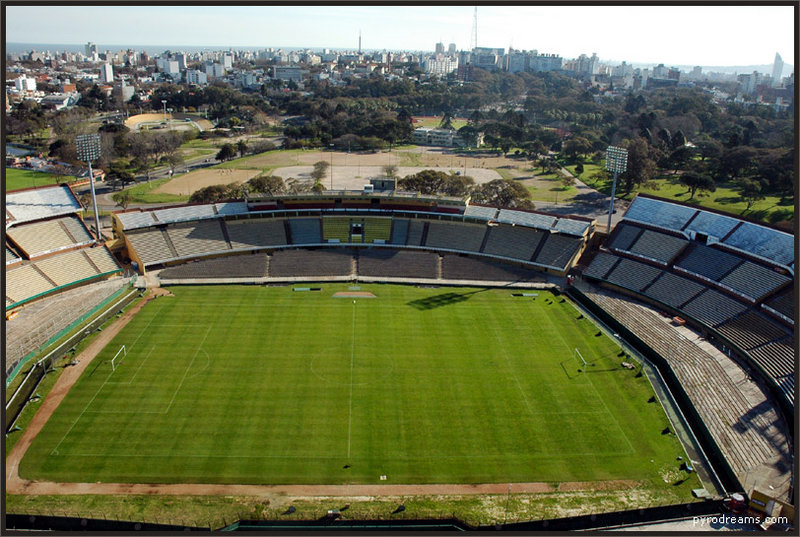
[579, 356]
[121, 353]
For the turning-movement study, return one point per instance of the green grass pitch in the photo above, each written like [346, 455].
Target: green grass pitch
[252, 384]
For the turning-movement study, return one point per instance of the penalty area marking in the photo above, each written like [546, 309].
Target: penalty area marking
[354, 294]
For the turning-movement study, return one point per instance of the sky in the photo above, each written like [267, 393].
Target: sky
[717, 35]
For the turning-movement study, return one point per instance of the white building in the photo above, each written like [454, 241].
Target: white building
[106, 73]
[440, 137]
[195, 77]
[168, 66]
[24, 83]
[285, 72]
[440, 65]
[777, 70]
[215, 69]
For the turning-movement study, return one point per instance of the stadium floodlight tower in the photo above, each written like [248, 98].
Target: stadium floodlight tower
[617, 162]
[88, 146]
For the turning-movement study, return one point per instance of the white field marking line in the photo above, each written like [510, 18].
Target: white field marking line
[55, 449]
[352, 358]
[188, 368]
[526, 456]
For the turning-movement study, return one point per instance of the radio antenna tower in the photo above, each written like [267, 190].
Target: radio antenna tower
[473, 42]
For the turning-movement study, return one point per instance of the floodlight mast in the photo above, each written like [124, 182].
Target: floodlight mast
[616, 161]
[88, 146]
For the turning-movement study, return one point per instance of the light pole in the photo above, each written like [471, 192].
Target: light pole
[169, 120]
[331, 146]
[616, 161]
[164, 104]
[88, 146]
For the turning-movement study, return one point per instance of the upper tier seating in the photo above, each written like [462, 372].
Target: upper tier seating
[658, 246]
[624, 236]
[256, 233]
[659, 214]
[783, 304]
[67, 268]
[751, 330]
[673, 290]
[45, 236]
[151, 246]
[709, 262]
[600, 265]
[35, 204]
[306, 230]
[399, 231]
[455, 236]
[24, 282]
[753, 280]
[713, 308]
[632, 275]
[558, 250]
[415, 229]
[377, 229]
[202, 237]
[516, 242]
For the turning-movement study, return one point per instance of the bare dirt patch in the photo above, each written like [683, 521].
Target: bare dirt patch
[184, 185]
[354, 294]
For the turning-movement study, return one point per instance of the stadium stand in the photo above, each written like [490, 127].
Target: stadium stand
[399, 231]
[336, 228]
[712, 225]
[455, 236]
[478, 211]
[782, 304]
[11, 257]
[235, 207]
[256, 233]
[45, 236]
[198, 238]
[182, 214]
[624, 236]
[67, 268]
[306, 230]
[713, 308]
[751, 330]
[673, 290]
[151, 246]
[397, 264]
[558, 250]
[515, 242]
[539, 221]
[632, 275]
[415, 230]
[460, 267]
[36, 204]
[567, 226]
[658, 246]
[659, 214]
[763, 242]
[102, 259]
[237, 266]
[710, 263]
[601, 265]
[377, 229]
[25, 282]
[778, 359]
[328, 262]
[135, 219]
[754, 281]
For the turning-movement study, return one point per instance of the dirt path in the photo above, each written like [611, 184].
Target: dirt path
[16, 485]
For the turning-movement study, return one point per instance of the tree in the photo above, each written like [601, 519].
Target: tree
[503, 193]
[696, 181]
[680, 157]
[227, 152]
[320, 170]
[210, 194]
[270, 185]
[579, 168]
[390, 170]
[241, 146]
[447, 121]
[122, 199]
[750, 191]
[641, 164]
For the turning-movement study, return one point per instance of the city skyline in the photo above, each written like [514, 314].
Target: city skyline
[682, 34]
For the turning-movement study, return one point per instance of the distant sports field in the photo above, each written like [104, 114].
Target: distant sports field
[253, 384]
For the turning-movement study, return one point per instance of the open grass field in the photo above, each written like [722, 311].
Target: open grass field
[421, 385]
[16, 179]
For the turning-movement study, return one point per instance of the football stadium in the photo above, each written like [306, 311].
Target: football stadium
[351, 345]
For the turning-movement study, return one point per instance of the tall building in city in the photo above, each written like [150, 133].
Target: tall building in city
[91, 50]
[439, 48]
[106, 73]
[777, 70]
[451, 49]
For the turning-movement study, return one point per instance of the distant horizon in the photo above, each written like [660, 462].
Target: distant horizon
[157, 49]
[672, 34]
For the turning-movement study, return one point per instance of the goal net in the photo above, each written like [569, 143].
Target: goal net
[121, 354]
[579, 357]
